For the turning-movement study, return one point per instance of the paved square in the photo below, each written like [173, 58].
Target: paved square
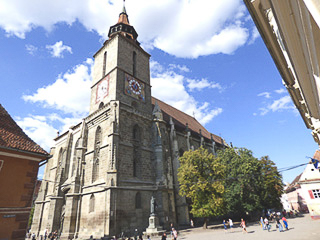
[299, 228]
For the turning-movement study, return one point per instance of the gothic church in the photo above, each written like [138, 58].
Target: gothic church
[104, 171]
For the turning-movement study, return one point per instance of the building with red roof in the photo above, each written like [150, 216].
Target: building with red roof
[19, 163]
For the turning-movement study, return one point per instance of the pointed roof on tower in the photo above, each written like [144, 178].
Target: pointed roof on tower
[123, 27]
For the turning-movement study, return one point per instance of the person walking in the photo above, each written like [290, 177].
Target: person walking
[33, 236]
[243, 225]
[285, 222]
[262, 223]
[164, 236]
[175, 234]
[230, 224]
[266, 222]
[279, 224]
[224, 225]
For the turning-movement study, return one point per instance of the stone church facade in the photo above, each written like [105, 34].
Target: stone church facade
[104, 171]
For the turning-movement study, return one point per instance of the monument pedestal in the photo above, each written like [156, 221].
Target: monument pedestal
[154, 228]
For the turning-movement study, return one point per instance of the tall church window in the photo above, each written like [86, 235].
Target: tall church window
[75, 158]
[60, 156]
[134, 65]
[96, 155]
[91, 203]
[134, 165]
[138, 200]
[136, 133]
[104, 63]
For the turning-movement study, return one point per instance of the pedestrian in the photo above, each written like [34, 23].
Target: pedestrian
[230, 224]
[164, 236]
[285, 222]
[224, 225]
[279, 224]
[148, 237]
[175, 234]
[140, 237]
[191, 223]
[45, 234]
[266, 222]
[243, 225]
[33, 236]
[261, 223]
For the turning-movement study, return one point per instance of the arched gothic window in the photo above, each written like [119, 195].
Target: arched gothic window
[181, 152]
[136, 133]
[91, 203]
[138, 200]
[134, 64]
[59, 162]
[96, 155]
[104, 63]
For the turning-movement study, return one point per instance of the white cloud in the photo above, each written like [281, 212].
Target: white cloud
[189, 29]
[31, 49]
[182, 68]
[58, 48]
[280, 91]
[39, 130]
[254, 36]
[194, 84]
[264, 94]
[176, 94]
[284, 103]
[70, 93]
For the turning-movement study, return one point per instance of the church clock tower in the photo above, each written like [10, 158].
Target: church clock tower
[121, 69]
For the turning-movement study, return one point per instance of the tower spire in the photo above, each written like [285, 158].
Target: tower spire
[124, 7]
[123, 26]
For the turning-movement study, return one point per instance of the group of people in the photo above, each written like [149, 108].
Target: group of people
[46, 235]
[265, 224]
[230, 222]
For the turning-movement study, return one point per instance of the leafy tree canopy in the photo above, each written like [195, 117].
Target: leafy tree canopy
[199, 176]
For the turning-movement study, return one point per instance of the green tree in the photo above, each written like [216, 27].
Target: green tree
[199, 175]
[242, 188]
[31, 216]
[272, 187]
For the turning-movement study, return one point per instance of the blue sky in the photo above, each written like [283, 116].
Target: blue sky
[207, 60]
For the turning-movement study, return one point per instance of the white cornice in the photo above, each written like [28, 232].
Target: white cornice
[14, 155]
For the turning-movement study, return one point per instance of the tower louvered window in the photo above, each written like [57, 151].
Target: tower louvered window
[104, 64]
[134, 65]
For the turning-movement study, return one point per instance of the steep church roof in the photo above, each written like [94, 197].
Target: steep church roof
[12, 136]
[183, 120]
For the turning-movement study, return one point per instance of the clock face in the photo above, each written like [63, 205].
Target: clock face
[102, 89]
[134, 88]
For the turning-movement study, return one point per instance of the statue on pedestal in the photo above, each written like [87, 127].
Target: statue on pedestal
[153, 206]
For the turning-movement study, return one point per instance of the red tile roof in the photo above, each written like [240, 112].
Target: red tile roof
[181, 120]
[12, 136]
[294, 185]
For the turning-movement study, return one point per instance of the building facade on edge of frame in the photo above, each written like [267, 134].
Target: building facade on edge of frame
[104, 171]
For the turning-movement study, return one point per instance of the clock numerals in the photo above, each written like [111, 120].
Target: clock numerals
[134, 87]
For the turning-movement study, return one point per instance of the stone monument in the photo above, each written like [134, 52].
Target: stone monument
[154, 228]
